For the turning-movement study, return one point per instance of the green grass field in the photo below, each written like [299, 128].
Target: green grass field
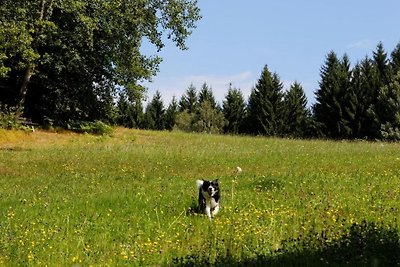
[127, 200]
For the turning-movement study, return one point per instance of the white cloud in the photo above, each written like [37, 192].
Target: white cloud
[364, 44]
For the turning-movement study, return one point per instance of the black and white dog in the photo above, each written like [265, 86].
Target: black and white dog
[209, 197]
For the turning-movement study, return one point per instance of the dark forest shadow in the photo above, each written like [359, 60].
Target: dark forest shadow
[365, 244]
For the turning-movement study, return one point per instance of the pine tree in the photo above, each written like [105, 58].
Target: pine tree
[330, 107]
[171, 114]
[381, 64]
[234, 110]
[382, 79]
[349, 101]
[297, 116]
[388, 103]
[265, 105]
[154, 116]
[395, 60]
[206, 94]
[130, 113]
[189, 100]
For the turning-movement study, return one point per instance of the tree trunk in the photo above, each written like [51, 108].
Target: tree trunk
[29, 71]
[22, 91]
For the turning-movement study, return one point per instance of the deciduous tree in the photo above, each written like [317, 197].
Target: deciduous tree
[64, 49]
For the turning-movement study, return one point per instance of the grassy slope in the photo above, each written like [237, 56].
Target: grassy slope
[125, 199]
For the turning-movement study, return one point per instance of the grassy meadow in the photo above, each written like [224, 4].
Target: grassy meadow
[128, 200]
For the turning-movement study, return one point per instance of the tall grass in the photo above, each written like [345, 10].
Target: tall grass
[123, 200]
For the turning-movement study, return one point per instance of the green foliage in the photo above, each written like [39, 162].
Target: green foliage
[395, 59]
[265, 105]
[97, 127]
[8, 118]
[388, 107]
[129, 112]
[335, 107]
[74, 55]
[171, 114]
[189, 100]
[155, 112]
[199, 112]
[208, 119]
[234, 110]
[184, 121]
[297, 116]
[206, 94]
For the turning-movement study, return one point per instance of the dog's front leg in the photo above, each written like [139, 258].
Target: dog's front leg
[208, 211]
[215, 211]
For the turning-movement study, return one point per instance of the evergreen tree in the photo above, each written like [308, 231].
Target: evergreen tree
[395, 60]
[154, 116]
[171, 114]
[206, 94]
[349, 101]
[129, 113]
[382, 79]
[388, 104]
[363, 86]
[189, 100]
[381, 64]
[330, 109]
[297, 116]
[265, 105]
[234, 110]
[123, 107]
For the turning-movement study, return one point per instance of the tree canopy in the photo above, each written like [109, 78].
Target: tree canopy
[62, 50]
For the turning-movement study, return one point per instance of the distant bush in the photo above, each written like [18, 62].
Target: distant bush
[8, 118]
[96, 127]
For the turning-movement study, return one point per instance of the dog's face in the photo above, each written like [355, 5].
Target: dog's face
[211, 187]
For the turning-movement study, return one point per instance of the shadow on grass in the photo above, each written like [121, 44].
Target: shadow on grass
[365, 244]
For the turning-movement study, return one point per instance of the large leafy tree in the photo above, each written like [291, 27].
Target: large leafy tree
[265, 108]
[64, 49]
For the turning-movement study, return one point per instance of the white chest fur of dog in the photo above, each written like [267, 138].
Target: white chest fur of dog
[209, 197]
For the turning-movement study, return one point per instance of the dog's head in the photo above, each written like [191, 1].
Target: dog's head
[211, 187]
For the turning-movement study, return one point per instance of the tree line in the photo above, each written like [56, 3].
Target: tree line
[359, 102]
[66, 62]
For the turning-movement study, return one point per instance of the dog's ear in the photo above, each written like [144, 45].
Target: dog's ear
[216, 181]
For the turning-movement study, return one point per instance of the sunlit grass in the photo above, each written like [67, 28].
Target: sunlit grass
[125, 199]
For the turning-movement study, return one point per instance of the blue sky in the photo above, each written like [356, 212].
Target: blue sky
[236, 39]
